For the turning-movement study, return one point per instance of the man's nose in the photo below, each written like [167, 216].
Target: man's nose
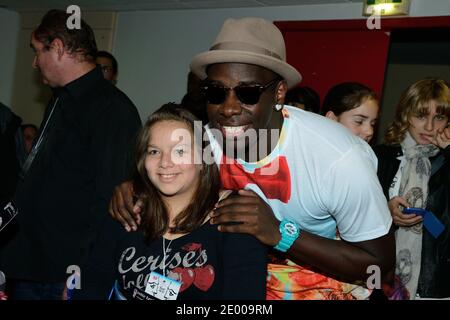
[34, 63]
[232, 105]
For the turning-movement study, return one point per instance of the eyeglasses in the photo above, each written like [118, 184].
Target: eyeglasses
[247, 94]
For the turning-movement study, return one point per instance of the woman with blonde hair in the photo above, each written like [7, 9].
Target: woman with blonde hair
[414, 171]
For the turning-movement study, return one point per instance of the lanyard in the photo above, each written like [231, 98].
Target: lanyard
[165, 251]
[26, 166]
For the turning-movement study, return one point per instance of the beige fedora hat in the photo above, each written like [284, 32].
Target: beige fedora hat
[248, 40]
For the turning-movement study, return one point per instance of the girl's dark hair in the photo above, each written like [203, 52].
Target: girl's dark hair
[346, 96]
[155, 220]
[77, 41]
[303, 95]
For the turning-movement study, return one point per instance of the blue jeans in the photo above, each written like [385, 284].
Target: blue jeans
[30, 290]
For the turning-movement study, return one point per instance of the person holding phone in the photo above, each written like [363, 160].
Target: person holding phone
[414, 171]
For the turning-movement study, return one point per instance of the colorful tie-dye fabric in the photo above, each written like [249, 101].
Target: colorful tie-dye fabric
[289, 281]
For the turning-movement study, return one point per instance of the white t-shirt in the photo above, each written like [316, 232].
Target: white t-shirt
[319, 175]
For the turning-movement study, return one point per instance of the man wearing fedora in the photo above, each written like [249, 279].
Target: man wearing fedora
[298, 192]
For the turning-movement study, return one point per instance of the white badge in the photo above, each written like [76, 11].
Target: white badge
[161, 287]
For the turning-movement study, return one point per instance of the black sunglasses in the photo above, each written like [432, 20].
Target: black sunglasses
[247, 94]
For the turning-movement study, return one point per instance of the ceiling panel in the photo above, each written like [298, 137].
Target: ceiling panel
[303, 2]
[132, 5]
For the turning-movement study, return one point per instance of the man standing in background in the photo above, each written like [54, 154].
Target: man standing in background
[82, 151]
[109, 65]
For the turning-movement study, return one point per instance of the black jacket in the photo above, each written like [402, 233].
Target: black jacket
[434, 280]
[63, 197]
[9, 163]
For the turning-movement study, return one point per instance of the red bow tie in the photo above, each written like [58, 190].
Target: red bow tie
[274, 179]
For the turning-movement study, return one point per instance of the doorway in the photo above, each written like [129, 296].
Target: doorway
[333, 51]
[414, 54]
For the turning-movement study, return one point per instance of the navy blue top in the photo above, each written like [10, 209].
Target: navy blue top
[210, 264]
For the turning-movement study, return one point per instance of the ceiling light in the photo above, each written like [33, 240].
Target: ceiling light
[386, 7]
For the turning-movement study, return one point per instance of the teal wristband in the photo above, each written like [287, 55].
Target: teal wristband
[290, 231]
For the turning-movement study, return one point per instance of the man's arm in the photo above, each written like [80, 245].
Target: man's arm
[348, 260]
[123, 208]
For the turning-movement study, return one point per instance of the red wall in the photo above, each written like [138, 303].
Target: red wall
[333, 51]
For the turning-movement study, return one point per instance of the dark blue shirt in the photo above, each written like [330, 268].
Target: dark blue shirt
[211, 265]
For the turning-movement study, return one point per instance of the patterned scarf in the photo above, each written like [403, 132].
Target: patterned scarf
[414, 188]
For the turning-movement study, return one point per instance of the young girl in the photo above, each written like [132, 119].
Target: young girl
[177, 253]
[353, 105]
[414, 171]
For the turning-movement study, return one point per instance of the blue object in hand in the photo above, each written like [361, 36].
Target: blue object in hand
[417, 211]
[430, 221]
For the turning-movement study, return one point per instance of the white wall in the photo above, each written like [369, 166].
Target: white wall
[9, 33]
[425, 8]
[154, 48]
[29, 95]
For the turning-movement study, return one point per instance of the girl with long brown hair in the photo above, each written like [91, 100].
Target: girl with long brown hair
[176, 253]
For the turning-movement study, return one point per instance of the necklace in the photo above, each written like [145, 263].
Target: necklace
[165, 250]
